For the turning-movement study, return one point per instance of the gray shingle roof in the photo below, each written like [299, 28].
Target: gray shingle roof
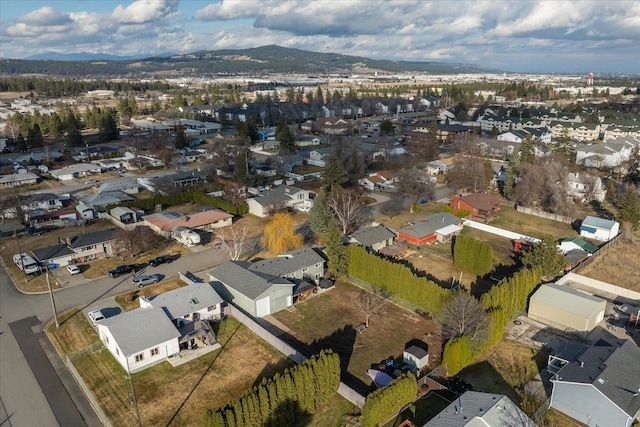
[55, 251]
[282, 193]
[252, 284]
[140, 329]
[369, 236]
[613, 369]
[474, 408]
[428, 225]
[89, 239]
[187, 299]
[287, 263]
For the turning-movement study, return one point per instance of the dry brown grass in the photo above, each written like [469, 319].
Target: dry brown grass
[129, 300]
[75, 332]
[619, 265]
[180, 396]
[510, 219]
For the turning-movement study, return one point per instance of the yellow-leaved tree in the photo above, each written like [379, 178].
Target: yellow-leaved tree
[279, 236]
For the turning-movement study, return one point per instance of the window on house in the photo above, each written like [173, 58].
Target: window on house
[155, 351]
[139, 357]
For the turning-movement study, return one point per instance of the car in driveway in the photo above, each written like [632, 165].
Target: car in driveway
[95, 316]
[73, 269]
[162, 259]
[122, 269]
[144, 280]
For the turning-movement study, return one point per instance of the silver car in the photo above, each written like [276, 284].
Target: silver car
[95, 316]
[144, 280]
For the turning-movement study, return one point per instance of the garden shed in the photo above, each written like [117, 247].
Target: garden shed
[416, 357]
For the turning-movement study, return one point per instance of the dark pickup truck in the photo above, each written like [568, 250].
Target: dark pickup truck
[162, 259]
[122, 269]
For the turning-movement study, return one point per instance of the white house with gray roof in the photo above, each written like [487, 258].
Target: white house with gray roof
[78, 170]
[189, 303]
[284, 195]
[374, 237]
[301, 264]
[601, 387]
[599, 228]
[256, 293]
[475, 409]
[139, 338]
[18, 179]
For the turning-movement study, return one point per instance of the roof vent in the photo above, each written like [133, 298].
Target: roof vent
[601, 381]
[194, 300]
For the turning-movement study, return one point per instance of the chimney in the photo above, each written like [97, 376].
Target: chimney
[581, 364]
[68, 240]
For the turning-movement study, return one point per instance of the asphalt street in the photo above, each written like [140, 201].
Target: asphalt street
[29, 385]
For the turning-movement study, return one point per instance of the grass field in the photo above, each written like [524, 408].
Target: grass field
[75, 332]
[328, 321]
[510, 219]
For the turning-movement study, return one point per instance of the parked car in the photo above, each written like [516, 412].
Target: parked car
[73, 269]
[162, 259]
[145, 280]
[122, 269]
[95, 316]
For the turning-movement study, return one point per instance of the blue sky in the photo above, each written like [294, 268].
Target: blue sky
[528, 36]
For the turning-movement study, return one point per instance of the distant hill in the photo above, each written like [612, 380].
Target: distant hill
[254, 61]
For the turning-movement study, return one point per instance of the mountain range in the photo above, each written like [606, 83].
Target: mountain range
[257, 61]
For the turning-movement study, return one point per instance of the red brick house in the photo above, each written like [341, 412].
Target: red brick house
[436, 227]
[481, 206]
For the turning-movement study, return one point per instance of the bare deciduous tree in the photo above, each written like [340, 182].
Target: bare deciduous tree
[232, 240]
[276, 207]
[370, 303]
[136, 241]
[474, 173]
[349, 210]
[414, 184]
[461, 315]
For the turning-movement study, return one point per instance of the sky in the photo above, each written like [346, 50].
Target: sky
[550, 36]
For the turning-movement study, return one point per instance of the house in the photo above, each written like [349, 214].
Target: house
[479, 205]
[163, 223]
[606, 154]
[474, 408]
[196, 301]
[565, 308]
[436, 167]
[100, 200]
[123, 214]
[258, 294]
[585, 187]
[139, 338]
[78, 170]
[575, 243]
[319, 156]
[98, 244]
[374, 237]
[436, 227]
[334, 126]
[380, 181]
[34, 204]
[283, 195]
[600, 387]
[127, 187]
[301, 264]
[85, 211]
[59, 254]
[599, 228]
[18, 179]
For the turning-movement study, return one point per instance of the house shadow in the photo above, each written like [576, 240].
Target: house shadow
[483, 376]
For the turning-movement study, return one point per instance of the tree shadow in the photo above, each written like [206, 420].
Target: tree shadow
[306, 232]
[270, 369]
[288, 413]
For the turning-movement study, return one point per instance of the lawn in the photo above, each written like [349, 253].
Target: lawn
[129, 300]
[75, 332]
[328, 321]
[510, 219]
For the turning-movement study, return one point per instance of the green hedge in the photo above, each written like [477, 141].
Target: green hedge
[284, 400]
[472, 255]
[180, 198]
[396, 279]
[385, 402]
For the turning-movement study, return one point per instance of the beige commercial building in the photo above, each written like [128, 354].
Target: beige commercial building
[565, 308]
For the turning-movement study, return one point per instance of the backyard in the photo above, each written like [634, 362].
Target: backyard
[328, 320]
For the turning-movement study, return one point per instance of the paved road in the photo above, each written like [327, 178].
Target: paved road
[26, 392]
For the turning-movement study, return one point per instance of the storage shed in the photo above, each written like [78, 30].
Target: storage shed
[599, 228]
[416, 357]
[565, 308]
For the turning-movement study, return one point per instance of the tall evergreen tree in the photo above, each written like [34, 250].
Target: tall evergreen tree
[544, 255]
[321, 214]
[242, 166]
[629, 209]
[108, 127]
[337, 252]
[333, 174]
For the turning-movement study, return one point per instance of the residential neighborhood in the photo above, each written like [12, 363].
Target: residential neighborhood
[426, 249]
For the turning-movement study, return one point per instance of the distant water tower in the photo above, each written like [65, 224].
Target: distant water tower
[590, 80]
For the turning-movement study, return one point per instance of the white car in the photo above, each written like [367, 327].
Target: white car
[95, 316]
[73, 269]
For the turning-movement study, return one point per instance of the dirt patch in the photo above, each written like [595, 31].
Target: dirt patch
[619, 265]
[328, 320]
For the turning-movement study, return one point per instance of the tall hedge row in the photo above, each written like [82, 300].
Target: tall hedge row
[284, 400]
[183, 197]
[384, 402]
[396, 279]
[472, 255]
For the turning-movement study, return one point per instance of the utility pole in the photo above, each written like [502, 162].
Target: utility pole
[21, 259]
[133, 394]
[53, 304]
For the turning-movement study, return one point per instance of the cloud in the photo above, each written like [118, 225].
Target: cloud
[45, 16]
[142, 11]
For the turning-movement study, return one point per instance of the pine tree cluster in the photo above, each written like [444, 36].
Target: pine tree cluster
[284, 400]
[389, 400]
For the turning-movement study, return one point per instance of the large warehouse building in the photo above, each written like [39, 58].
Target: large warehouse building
[565, 308]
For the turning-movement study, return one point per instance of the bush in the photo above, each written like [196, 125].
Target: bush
[385, 402]
[472, 255]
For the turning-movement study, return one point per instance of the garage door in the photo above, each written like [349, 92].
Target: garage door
[262, 307]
